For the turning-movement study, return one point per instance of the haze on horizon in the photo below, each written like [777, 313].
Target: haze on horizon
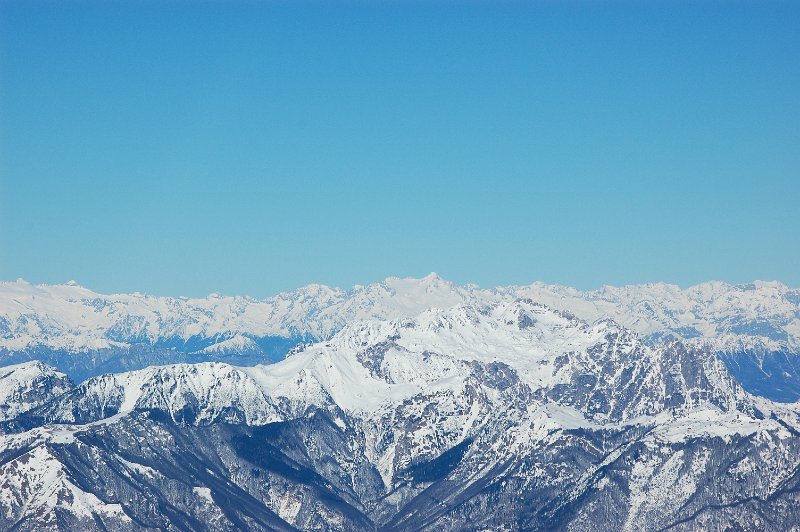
[250, 148]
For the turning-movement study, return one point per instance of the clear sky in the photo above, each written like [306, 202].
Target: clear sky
[181, 148]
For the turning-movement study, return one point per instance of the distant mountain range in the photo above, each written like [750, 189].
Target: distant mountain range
[754, 329]
[404, 405]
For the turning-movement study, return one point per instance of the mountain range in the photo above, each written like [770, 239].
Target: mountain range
[411, 404]
[754, 328]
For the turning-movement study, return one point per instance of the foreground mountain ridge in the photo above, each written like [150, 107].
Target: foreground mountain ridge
[505, 415]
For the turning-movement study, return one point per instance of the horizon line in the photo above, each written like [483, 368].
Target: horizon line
[433, 276]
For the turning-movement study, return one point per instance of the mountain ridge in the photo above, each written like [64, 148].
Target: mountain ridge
[288, 312]
[754, 328]
[512, 414]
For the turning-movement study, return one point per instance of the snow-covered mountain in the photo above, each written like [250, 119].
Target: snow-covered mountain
[85, 333]
[755, 328]
[199, 393]
[504, 414]
[763, 309]
[547, 350]
[28, 385]
[74, 318]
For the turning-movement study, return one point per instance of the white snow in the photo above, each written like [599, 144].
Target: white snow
[36, 483]
[214, 387]
[24, 386]
[205, 493]
[387, 372]
[390, 351]
[236, 344]
[74, 318]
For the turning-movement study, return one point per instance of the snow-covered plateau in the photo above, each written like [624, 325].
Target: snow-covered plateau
[412, 404]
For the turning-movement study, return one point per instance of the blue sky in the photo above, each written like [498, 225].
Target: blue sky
[182, 148]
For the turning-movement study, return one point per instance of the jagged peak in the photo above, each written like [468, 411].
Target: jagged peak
[433, 277]
[210, 390]
[30, 365]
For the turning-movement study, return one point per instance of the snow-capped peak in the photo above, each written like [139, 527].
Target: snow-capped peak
[28, 385]
[372, 363]
[193, 393]
[59, 318]
[236, 344]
